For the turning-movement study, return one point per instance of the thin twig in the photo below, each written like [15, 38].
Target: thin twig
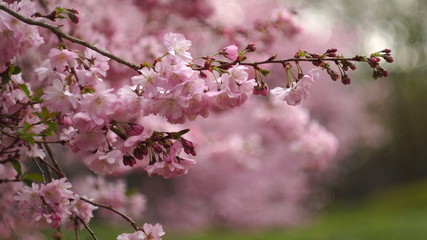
[75, 228]
[49, 167]
[132, 222]
[87, 228]
[9, 180]
[60, 173]
[56, 30]
[329, 59]
[40, 169]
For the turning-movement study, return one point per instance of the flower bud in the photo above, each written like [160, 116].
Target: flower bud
[134, 129]
[388, 58]
[231, 52]
[345, 80]
[251, 47]
[156, 147]
[129, 161]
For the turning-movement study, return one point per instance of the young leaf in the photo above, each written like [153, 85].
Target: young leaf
[34, 177]
[17, 165]
[5, 79]
[264, 72]
[24, 88]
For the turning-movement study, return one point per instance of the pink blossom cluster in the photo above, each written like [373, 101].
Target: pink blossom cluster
[98, 122]
[52, 204]
[12, 226]
[178, 92]
[17, 37]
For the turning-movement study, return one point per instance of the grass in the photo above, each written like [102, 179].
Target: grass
[397, 214]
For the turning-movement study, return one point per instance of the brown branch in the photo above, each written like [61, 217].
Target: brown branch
[330, 59]
[49, 166]
[9, 180]
[56, 30]
[132, 222]
[59, 171]
[76, 231]
[40, 169]
[87, 227]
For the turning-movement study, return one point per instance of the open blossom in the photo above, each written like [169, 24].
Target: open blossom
[61, 58]
[171, 106]
[138, 235]
[231, 52]
[297, 91]
[99, 104]
[177, 46]
[57, 98]
[147, 79]
[104, 162]
[150, 233]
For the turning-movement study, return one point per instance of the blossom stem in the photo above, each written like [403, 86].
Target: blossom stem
[87, 228]
[9, 180]
[40, 169]
[56, 30]
[132, 222]
[49, 166]
[76, 231]
[60, 173]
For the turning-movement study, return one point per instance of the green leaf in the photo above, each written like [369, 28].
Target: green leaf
[27, 182]
[264, 72]
[13, 70]
[17, 165]
[24, 88]
[87, 89]
[45, 112]
[34, 177]
[184, 131]
[37, 95]
[38, 115]
[29, 137]
[26, 127]
[52, 126]
[5, 79]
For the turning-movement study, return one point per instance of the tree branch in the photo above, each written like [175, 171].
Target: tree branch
[87, 227]
[56, 30]
[132, 222]
[55, 163]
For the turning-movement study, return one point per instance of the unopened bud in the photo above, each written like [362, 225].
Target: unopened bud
[387, 50]
[251, 47]
[345, 80]
[388, 58]
[129, 161]
[202, 75]
[157, 148]
[333, 74]
[134, 129]
[373, 61]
